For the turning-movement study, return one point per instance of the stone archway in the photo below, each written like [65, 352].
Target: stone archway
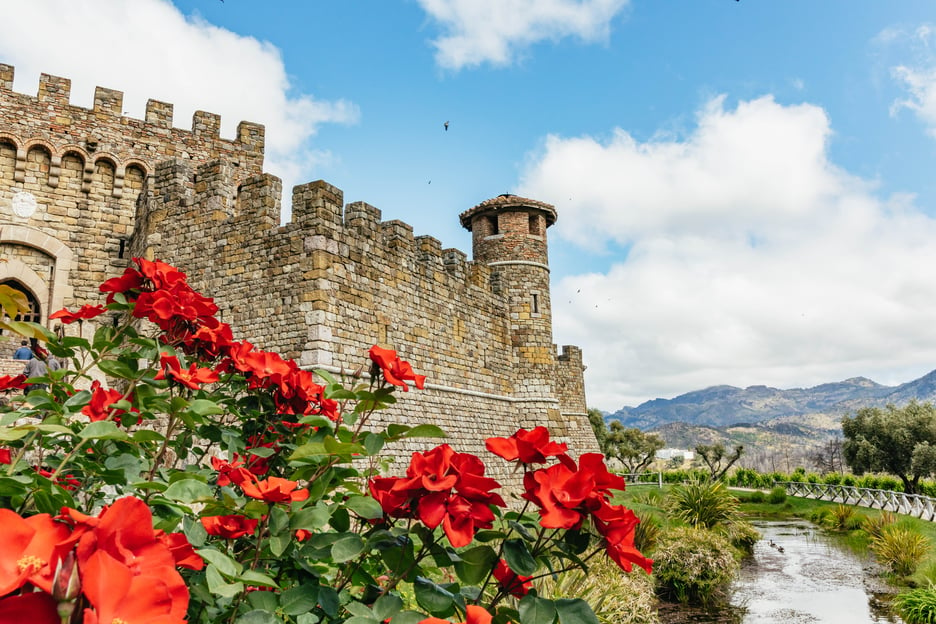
[50, 293]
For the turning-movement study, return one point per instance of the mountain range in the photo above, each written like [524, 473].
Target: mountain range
[765, 417]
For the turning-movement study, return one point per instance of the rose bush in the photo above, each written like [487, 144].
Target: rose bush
[210, 481]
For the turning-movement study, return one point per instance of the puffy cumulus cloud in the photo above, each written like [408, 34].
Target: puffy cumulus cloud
[750, 258]
[495, 31]
[918, 76]
[148, 49]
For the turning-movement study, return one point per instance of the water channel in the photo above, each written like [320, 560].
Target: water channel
[813, 580]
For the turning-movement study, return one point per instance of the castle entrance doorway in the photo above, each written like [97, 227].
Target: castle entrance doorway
[34, 315]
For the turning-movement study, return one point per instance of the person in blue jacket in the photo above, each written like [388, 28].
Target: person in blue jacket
[24, 352]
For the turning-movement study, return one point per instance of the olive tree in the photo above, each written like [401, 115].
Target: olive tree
[897, 440]
[717, 459]
[635, 449]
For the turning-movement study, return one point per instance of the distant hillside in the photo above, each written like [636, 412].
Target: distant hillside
[721, 406]
[770, 423]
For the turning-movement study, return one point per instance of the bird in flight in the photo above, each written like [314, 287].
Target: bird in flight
[446, 125]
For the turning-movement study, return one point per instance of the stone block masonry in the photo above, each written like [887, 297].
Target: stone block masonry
[84, 190]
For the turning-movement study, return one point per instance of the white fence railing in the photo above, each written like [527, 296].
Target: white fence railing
[916, 505]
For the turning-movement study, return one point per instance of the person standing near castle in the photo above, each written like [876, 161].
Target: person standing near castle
[23, 353]
[35, 367]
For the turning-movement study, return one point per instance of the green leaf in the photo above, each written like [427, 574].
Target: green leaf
[76, 401]
[387, 606]
[575, 611]
[475, 564]
[408, 617]
[263, 600]
[220, 561]
[433, 598]
[308, 450]
[365, 506]
[359, 609]
[279, 544]
[102, 430]
[257, 616]
[334, 447]
[116, 368]
[339, 393]
[53, 429]
[147, 435]
[317, 420]
[8, 434]
[188, 491]
[252, 577]
[395, 430]
[373, 442]
[194, 531]
[534, 610]
[299, 599]
[329, 601]
[519, 558]
[217, 584]
[347, 547]
[425, 431]
[204, 407]
[359, 619]
[261, 451]
[310, 518]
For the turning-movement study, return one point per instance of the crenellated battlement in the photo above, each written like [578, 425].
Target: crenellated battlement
[104, 134]
[84, 190]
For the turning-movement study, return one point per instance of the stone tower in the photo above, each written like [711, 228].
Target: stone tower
[509, 237]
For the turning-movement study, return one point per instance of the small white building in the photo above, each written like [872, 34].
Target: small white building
[670, 453]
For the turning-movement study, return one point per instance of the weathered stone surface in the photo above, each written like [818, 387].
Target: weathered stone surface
[320, 289]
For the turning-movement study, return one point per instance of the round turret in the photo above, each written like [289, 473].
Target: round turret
[509, 228]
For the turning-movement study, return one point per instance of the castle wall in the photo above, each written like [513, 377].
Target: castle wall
[74, 173]
[320, 289]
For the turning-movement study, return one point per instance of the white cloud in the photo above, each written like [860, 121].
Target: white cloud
[917, 77]
[496, 31]
[148, 49]
[752, 259]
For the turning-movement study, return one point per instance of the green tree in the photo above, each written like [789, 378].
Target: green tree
[596, 419]
[715, 459]
[897, 440]
[631, 446]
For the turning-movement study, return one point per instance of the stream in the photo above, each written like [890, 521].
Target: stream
[814, 580]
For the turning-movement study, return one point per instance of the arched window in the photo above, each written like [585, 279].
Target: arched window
[34, 315]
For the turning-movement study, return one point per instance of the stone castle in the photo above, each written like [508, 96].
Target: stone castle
[84, 190]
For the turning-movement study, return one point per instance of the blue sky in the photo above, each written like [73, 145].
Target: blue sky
[746, 190]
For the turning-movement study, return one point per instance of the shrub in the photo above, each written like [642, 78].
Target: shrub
[820, 516]
[833, 478]
[917, 606]
[647, 533]
[875, 526]
[742, 536]
[756, 497]
[777, 495]
[616, 598]
[694, 565]
[703, 503]
[900, 549]
[849, 480]
[840, 517]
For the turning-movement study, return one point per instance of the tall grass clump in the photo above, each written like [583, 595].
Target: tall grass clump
[900, 550]
[647, 533]
[703, 503]
[615, 598]
[841, 517]
[694, 565]
[917, 606]
[875, 526]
